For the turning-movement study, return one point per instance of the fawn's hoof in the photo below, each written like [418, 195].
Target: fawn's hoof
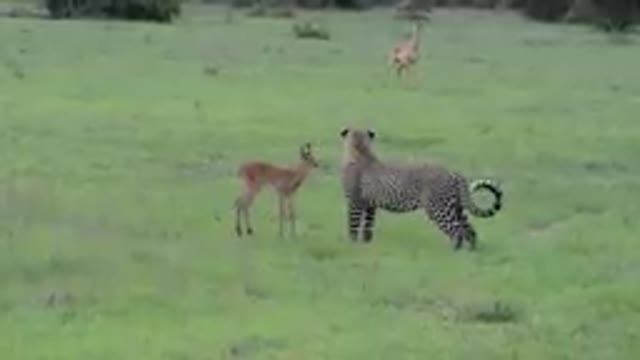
[249, 231]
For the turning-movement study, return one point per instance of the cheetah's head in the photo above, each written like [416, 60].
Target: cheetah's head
[357, 143]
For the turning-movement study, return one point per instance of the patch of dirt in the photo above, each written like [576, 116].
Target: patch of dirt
[255, 292]
[416, 303]
[542, 225]
[551, 224]
[490, 313]
[474, 60]
[211, 166]
[252, 345]
[605, 167]
[541, 42]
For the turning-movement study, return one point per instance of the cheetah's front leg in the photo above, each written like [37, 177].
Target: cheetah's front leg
[355, 219]
[368, 224]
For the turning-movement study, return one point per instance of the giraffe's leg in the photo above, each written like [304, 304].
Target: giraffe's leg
[368, 223]
[355, 219]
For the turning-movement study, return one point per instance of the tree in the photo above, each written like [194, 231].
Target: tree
[154, 10]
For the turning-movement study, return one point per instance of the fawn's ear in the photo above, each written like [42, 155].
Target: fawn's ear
[344, 132]
[305, 149]
[371, 133]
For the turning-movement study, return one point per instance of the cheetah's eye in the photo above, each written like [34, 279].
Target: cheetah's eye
[372, 134]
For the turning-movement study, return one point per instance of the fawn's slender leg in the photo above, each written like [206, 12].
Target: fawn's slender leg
[281, 215]
[400, 71]
[415, 74]
[247, 200]
[238, 205]
[292, 216]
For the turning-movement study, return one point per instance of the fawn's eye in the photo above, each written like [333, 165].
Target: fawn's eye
[344, 132]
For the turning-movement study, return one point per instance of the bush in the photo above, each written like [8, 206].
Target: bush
[617, 15]
[69, 8]
[546, 10]
[611, 15]
[583, 11]
[511, 4]
[485, 4]
[242, 3]
[271, 8]
[310, 30]
[278, 13]
[154, 10]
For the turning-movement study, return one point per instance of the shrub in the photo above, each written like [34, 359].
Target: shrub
[310, 30]
[274, 9]
[494, 312]
[617, 15]
[485, 4]
[154, 10]
[68, 8]
[546, 10]
[611, 15]
[582, 11]
[510, 4]
[414, 10]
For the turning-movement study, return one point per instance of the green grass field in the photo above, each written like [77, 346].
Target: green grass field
[119, 146]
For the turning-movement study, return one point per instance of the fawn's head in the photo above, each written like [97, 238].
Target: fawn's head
[357, 143]
[306, 155]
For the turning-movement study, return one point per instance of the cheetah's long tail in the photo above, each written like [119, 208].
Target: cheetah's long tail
[485, 184]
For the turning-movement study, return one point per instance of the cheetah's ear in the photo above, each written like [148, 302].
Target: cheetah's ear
[371, 133]
[344, 132]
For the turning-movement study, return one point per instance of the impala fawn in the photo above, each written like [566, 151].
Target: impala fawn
[285, 181]
[405, 55]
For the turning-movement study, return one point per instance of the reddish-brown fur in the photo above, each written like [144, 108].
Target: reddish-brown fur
[406, 54]
[285, 181]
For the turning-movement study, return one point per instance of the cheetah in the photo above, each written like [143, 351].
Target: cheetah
[369, 184]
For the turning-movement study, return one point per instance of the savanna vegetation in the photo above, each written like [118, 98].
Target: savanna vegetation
[120, 143]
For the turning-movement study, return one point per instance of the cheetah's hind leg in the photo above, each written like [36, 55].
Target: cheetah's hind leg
[454, 223]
